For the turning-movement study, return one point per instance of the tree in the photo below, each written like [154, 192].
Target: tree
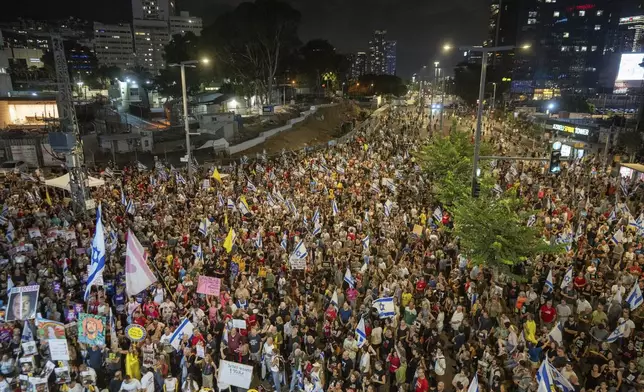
[383, 85]
[251, 42]
[575, 104]
[494, 232]
[182, 47]
[316, 62]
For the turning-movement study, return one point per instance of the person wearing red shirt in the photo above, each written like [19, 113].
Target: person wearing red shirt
[197, 338]
[422, 385]
[421, 285]
[547, 312]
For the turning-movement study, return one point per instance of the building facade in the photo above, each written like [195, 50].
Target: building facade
[114, 45]
[150, 38]
[359, 65]
[153, 9]
[5, 77]
[390, 57]
[568, 40]
[377, 53]
[185, 23]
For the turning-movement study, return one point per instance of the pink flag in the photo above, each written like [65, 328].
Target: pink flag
[138, 275]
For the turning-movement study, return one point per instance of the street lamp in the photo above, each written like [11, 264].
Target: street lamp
[485, 50]
[184, 91]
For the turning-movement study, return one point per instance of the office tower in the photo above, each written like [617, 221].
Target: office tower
[358, 65]
[150, 38]
[390, 57]
[377, 53]
[5, 77]
[184, 23]
[113, 45]
[152, 9]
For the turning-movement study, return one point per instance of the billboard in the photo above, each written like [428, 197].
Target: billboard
[629, 67]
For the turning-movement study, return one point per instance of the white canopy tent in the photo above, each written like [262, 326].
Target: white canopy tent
[62, 182]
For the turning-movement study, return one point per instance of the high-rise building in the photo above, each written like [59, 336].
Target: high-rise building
[567, 40]
[114, 45]
[629, 34]
[377, 53]
[502, 31]
[150, 38]
[185, 23]
[390, 57]
[152, 9]
[5, 78]
[359, 65]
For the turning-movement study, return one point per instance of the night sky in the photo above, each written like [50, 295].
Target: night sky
[420, 26]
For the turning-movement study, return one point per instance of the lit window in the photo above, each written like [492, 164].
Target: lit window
[600, 12]
[576, 48]
[565, 48]
[584, 48]
[532, 21]
[598, 27]
[555, 14]
[566, 34]
[582, 13]
[532, 14]
[593, 48]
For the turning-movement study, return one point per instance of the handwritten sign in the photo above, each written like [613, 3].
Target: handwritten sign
[209, 285]
[235, 374]
[239, 323]
[58, 349]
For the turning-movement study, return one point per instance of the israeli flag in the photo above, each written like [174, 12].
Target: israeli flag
[180, 179]
[258, 241]
[153, 181]
[635, 298]
[272, 176]
[284, 242]
[3, 220]
[300, 252]
[361, 334]
[123, 199]
[348, 278]
[532, 220]
[365, 242]
[544, 377]
[317, 229]
[567, 279]
[617, 334]
[375, 189]
[129, 209]
[199, 253]
[623, 186]
[221, 200]
[316, 217]
[230, 204]
[250, 186]
[98, 255]
[549, 282]
[5, 210]
[339, 169]
[366, 215]
[390, 185]
[385, 307]
[141, 167]
[560, 380]
[612, 216]
[278, 196]
[334, 206]
[438, 214]
[27, 333]
[10, 285]
[244, 160]
[184, 328]
[618, 236]
[203, 227]
[11, 235]
[305, 221]
[388, 205]
[334, 298]
[270, 200]
[474, 385]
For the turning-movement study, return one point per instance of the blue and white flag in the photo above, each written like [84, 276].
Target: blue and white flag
[258, 241]
[366, 242]
[316, 217]
[334, 206]
[297, 259]
[544, 377]
[123, 199]
[179, 178]
[550, 284]
[203, 227]
[129, 208]
[3, 220]
[339, 169]
[617, 237]
[199, 253]
[97, 264]
[220, 198]
[438, 214]
[284, 242]
[317, 229]
[385, 307]
[567, 279]
[474, 385]
[388, 205]
[230, 204]
[611, 217]
[375, 189]
[10, 285]
[250, 186]
[243, 160]
[11, 234]
[561, 381]
[27, 333]
[334, 298]
[623, 186]
[278, 196]
[348, 278]
[532, 220]
[184, 328]
[153, 181]
[617, 334]
[635, 298]
[361, 333]
[305, 221]
[141, 167]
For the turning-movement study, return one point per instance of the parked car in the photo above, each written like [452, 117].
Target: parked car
[12, 167]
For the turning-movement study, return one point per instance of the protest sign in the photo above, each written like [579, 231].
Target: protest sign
[34, 232]
[91, 329]
[48, 329]
[209, 285]
[62, 375]
[22, 303]
[235, 374]
[418, 230]
[58, 349]
[239, 323]
[135, 332]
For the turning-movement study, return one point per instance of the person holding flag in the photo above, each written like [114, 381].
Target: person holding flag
[98, 256]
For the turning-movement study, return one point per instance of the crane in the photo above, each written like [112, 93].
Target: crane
[66, 139]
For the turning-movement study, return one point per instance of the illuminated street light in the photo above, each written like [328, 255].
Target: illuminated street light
[447, 47]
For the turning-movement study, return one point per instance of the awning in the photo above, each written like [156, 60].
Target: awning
[62, 182]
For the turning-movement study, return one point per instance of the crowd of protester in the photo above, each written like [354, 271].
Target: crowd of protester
[452, 319]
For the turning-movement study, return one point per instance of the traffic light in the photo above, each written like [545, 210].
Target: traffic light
[476, 188]
[555, 161]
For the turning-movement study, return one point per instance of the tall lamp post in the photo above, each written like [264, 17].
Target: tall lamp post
[184, 92]
[485, 50]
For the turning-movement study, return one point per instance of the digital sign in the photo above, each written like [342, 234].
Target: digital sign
[629, 67]
[571, 129]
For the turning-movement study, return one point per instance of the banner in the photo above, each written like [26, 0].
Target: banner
[48, 329]
[235, 374]
[209, 285]
[58, 350]
[22, 303]
[91, 329]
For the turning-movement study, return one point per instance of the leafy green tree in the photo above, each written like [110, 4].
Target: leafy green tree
[494, 232]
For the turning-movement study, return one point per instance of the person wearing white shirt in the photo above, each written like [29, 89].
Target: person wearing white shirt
[130, 384]
[583, 305]
[147, 381]
[629, 325]
[4, 385]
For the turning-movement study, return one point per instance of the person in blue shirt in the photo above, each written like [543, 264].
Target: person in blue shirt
[345, 313]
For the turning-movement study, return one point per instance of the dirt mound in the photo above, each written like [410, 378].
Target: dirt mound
[319, 128]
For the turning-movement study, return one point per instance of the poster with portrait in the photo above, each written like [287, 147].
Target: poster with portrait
[62, 375]
[48, 329]
[91, 329]
[22, 304]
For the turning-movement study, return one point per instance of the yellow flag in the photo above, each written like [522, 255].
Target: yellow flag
[216, 176]
[226, 219]
[230, 240]
[47, 198]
